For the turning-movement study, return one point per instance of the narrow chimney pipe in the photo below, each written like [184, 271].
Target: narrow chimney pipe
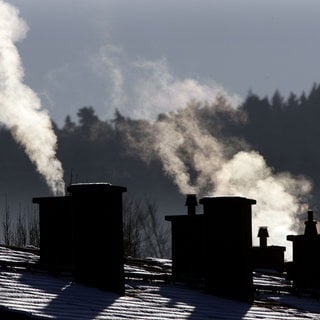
[310, 225]
[263, 235]
[191, 203]
[310, 215]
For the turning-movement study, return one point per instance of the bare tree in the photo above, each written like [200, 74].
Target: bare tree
[20, 229]
[34, 231]
[132, 213]
[20, 234]
[7, 225]
[156, 235]
[144, 231]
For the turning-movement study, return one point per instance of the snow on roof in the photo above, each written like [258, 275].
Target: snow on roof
[44, 296]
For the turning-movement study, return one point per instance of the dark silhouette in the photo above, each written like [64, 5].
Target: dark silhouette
[228, 241]
[83, 232]
[267, 257]
[305, 268]
[187, 237]
[56, 233]
[263, 235]
[205, 248]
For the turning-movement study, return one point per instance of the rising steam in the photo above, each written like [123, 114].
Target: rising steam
[20, 107]
[218, 172]
[144, 89]
[199, 161]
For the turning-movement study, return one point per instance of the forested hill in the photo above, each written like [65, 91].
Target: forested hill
[285, 131]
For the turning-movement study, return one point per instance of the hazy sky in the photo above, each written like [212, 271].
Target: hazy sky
[102, 52]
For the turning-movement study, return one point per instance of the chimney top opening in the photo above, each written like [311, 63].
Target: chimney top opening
[191, 203]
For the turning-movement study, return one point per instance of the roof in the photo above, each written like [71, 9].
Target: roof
[36, 294]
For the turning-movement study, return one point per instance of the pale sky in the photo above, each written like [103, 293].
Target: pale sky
[107, 53]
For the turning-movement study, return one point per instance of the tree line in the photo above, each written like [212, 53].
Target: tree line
[285, 130]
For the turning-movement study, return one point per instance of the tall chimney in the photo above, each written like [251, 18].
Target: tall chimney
[191, 203]
[228, 245]
[83, 232]
[98, 235]
[263, 235]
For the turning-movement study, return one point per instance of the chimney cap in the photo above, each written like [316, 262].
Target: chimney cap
[94, 187]
[310, 215]
[227, 200]
[191, 199]
[263, 232]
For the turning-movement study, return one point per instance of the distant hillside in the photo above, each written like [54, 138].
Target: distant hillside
[285, 131]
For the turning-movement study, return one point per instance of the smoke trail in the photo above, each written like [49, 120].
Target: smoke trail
[144, 89]
[279, 196]
[202, 162]
[20, 107]
[185, 146]
[108, 56]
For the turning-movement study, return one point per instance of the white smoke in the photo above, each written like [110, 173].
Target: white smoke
[108, 57]
[184, 146]
[159, 91]
[144, 89]
[280, 197]
[20, 107]
[198, 161]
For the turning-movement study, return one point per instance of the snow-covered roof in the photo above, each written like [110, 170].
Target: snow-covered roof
[38, 294]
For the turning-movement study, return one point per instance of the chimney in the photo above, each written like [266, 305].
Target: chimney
[207, 247]
[187, 244]
[98, 235]
[56, 232]
[305, 267]
[85, 231]
[191, 203]
[263, 235]
[310, 226]
[265, 257]
[228, 246]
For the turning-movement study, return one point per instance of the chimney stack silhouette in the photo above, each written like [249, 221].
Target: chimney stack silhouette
[207, 247]
[267, 257]
[305, 267]
[83, 232]
[187, 244]
[228, 243]
[263, 236]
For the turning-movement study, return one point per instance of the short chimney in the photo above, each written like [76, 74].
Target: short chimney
[191, 203]
[310, 226]
[187, 244]
[56, 232]
[305, 267]
[263, 235]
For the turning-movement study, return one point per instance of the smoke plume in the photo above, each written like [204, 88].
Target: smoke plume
[20, 107]
[199, 161]
[144, 89]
